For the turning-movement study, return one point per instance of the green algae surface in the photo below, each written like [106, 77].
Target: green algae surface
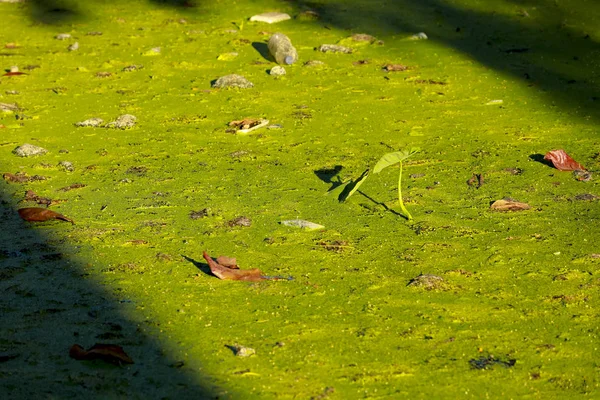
[496, 86]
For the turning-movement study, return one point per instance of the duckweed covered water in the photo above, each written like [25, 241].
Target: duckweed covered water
[515, 309]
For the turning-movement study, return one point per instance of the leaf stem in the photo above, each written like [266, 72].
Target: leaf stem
[404, 210]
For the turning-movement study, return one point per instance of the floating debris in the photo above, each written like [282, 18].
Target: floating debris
[395, 67]
[232, 80]
[334, 48]
[419, 36]
[205, 212]
[155, 51]
[94, 122]
[73, 47]
[359, 39]
[582, 176]
[427, 281]
[240, 221]
[300, 223]
[67, 166]
[227, 56]
[494, 102]
[9, 107]
[123, 122]
[270, 17]
[134, 67]
[489, 361]
[242, 351]
[63, 36]
[248, 124]
[27, 150]
[314, 63]
[308, 15]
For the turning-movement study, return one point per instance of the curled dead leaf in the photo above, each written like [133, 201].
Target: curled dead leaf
[230, 273]
[106, 352]
[36, 214]
[562, 161]
[509, 205]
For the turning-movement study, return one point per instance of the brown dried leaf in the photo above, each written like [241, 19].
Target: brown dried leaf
[509, 205]
[395, 67]
[16, 73]
[562, 161]
[227, 273]
[36, 214]
[106, 352]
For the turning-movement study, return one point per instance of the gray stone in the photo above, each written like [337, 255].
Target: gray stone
[28, 150]
[90, 122]
[73, 47]
[232, 80]
[334, 48]
[123, 122]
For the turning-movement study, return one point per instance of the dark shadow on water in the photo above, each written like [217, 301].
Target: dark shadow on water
[540, 158]
[531, 42]
[49, 302]
[53, 12]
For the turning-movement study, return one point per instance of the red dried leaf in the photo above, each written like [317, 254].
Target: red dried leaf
[14, 73]
[36, 214]
[228, 273]
[562, 161]
[106, 352]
